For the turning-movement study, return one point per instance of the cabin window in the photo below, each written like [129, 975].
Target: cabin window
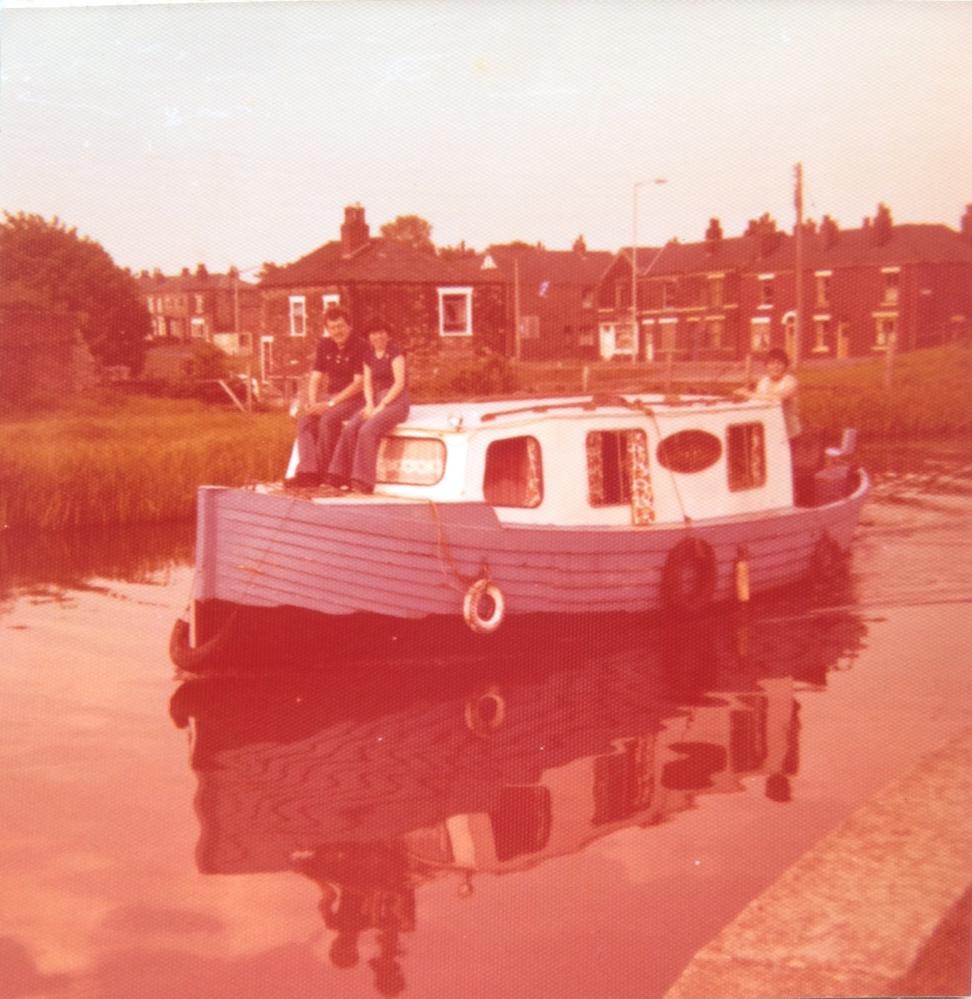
[514, 474]
[746, 456]
[411, 461]
[689, 451]
[611, 454]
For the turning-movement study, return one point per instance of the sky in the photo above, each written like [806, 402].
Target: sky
[236, 133]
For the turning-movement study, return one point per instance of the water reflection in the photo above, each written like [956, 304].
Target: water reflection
[374, 783]
[50, 563]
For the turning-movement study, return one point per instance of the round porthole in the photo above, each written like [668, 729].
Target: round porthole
[689, 451]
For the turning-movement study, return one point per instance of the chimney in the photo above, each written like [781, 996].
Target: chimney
[882, 224]
[829, 231]
[966, 224]
[713, 235]
[354, 232]
[580, 247]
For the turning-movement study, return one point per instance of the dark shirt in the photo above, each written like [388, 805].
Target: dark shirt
[382, 376]
[340, 364]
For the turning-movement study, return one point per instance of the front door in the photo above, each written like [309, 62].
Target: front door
[266, 358]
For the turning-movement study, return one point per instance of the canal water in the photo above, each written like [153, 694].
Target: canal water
[555, 822]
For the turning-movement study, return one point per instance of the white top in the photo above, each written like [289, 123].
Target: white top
[785, 390]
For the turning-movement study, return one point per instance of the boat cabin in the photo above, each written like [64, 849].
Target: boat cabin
[580, 461]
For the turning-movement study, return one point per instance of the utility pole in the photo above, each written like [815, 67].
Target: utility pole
[516, 308]
[798, 264]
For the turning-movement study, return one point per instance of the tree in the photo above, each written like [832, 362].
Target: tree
[51, 266]
[411, 230]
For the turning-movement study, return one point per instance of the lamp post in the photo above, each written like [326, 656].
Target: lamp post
[634, 263]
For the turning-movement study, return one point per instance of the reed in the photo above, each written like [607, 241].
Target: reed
[130, 460]
[928, 395]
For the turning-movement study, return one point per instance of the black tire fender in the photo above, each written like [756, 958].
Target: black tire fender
[688, 579]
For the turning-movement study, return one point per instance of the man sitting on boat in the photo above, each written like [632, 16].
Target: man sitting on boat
[334, 394]
[386, 404]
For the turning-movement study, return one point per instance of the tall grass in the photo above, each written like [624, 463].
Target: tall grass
[130, 460]
[928, 395]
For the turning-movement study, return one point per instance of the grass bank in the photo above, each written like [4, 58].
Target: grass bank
[113, 459]
[928, 394]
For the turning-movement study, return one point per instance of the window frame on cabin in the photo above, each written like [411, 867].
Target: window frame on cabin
[743, 473]
[527, 477]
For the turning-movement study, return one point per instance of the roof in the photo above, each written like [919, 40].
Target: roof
[907, 244]
[192, 283]
[385, 261]
[560, 267]
[442, 416]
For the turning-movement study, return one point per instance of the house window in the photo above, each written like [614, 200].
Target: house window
[821, 327]
[413, 461]
[199, 305]
[514, 473]
[331, 299]
[745, 456]
[716, 287]
[197, 328]
[587, 298]
[529, 327]
[891, 286]
[714, 333]
[766, 292]
[885, 332]
[609, 463]
[669, 290]
[455, 312]
[298, 315]
[585, 336]
[822, 289]
[759, 335]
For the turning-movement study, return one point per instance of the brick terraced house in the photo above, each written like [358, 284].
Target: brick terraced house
[433, 304]
[863, 290]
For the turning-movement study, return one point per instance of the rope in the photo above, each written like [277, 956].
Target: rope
[445, 556]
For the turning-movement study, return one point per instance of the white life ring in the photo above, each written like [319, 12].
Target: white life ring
[483, 591]
[485, 712]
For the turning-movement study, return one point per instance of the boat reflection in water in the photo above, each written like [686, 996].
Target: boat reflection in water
[374, 783]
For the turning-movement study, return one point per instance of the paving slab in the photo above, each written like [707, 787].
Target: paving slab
[854, 914]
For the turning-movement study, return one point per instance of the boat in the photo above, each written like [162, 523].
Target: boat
[496, 514]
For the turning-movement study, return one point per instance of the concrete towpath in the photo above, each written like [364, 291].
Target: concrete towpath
[880, 907]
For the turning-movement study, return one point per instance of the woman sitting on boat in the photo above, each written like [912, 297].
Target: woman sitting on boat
[386, 404]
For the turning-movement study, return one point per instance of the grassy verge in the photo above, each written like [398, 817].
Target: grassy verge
[115, 459]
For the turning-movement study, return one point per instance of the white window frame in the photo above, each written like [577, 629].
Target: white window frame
[882, 338]
[455, 291]
[199, 303]
[822, 287]
[197, 328]
[766, 282]
[821, 333]
[760, 327]
[294, 315]
[891, 289]
[331, 298]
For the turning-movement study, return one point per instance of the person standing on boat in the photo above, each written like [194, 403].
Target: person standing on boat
[334, 394]
[779, 384]
[385, 405]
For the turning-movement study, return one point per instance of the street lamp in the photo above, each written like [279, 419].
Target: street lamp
[634, 262]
